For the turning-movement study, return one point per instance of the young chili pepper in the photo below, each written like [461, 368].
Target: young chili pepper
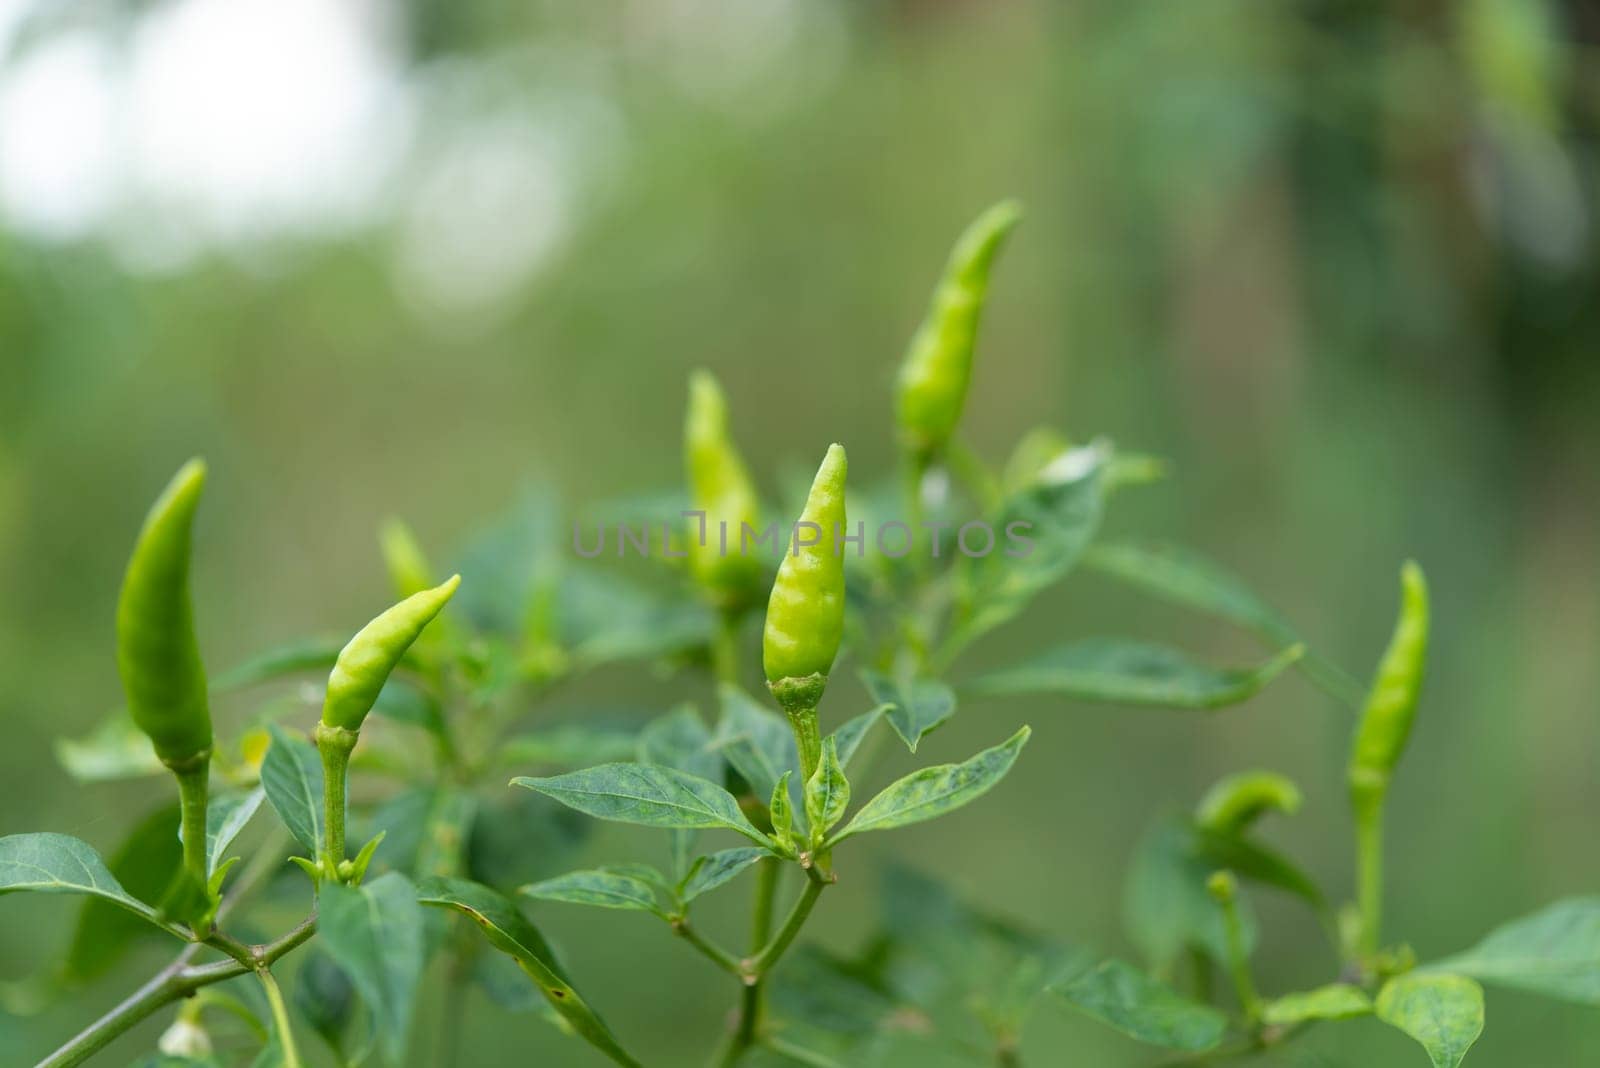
[720, 489]
[805, 614]
[1392, 704]
[938, 366]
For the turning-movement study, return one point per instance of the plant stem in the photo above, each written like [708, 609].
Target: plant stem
[713, 952]
[1238, 961]
[1369, 878]
[335, 744]
[193, 797]
[280, 1017]
[725, 648]
[769, 956]
[767, 871]
[754, 971]
[808, 740]
[176, 981]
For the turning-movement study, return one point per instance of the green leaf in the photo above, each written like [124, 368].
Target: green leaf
[606, 618]
[931, 792]
[144, 865]
[226, 816]
[827, 792]
[598, 887]
[326, 999]
[913, 709]
[1442, 1012]
[508, 931]
[1555, 952]
[1336, 1001]
[755, 739]
[1185, 577]
[296, 658]
[781, 811]
[61, 864]
[1132, 673]
[567, 745]
[680, 740]
[853, 732]
[1166, 906]
[1128, 1000]
[650, 795]
[1248, 860]
[116, 749]
[374, 933]
[291, 776]
[711, 872]
[1060, 517]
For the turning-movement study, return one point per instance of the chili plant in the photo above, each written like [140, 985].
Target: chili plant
[426, 711]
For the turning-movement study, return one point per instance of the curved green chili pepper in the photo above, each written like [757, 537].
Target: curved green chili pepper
[364, 664]
[1392, 704]
[719, 489]
[157, 654]
[938, 365]
[1237, 801]
[805, 614]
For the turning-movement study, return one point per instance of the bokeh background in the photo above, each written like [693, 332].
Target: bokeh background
[1337, 261]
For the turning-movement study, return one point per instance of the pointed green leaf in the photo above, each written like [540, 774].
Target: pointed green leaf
[914, 708]
[679, 740]
[144, 864]
[508, 931]
[853, 732]
[291, 776]
[827, 792]
[116, 749]
[755, 739]
[1336, 1001]
[647, 794]
[61, 864]
[931, 792]
[1126, 999]
[781, 810]
[1166, 906]
[711, 872]
[1442, 1012]
[374, 933]
[1133, 673]
[598, 887]
[1555, 952]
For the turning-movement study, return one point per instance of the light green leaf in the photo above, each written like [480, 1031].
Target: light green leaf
[1133, 673]
[827, 792]
[1126, 999]
[61, 864]
[568, 745]
[853, 732]
[711, 872]
[1442, 1012]
[781, 809]
[226, 816]
[914, 708]
[1059, 517]
[598, 887]
[1336, 1001]
[931, 792]
[291, 776]
[116, 749]
[508, 931]
[647, 794]
[374, 933]
[1555, 952]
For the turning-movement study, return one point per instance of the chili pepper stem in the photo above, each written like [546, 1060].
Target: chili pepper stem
[1369, 880]
[725, 647]
[808, 739]
[1225, 890]
[335, 744]
[194, 787]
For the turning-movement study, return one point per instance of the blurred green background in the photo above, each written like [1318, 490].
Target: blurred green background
[1337, 261]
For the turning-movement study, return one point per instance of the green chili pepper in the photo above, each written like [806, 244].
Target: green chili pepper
[1392, 704]
[805, 615]
[157, 653]
[364, 664]
[719, 489]
[1237, 801]
[938, 365]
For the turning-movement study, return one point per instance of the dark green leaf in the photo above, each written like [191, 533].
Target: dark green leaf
[599, 887]
[1336, 1001]
[291, 775]
[1442, 1012]
[932, 792]
[326, 1000]
[1134, 673]
[1257, 863]
[913, 708]
[374, 933]
[1166, 906]
[61, 864]
[647, 794]
[680, 740]
[756, 740]
[1555, 952]
[144, 864]
[1126, 999]
[508, 931]
[708, 873]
